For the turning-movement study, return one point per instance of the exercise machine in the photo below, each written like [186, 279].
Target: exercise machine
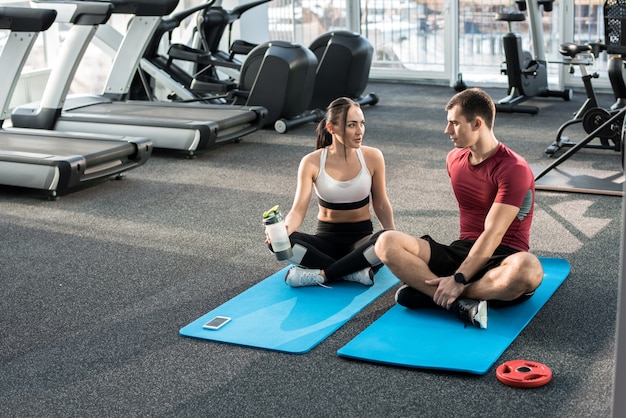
[527, 74]
[249, 73]
[175, 126]
[212, 23]
[53, 162]
[343, 60]
[277, 75]
[615, 69]
[353, 54]
[607, 125]
[164, 72]
[344, 57]
[590, 115]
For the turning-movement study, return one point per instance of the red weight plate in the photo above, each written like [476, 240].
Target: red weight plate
[523, 374]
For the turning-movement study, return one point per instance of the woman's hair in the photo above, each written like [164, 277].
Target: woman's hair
[474, 102]
[337, 115]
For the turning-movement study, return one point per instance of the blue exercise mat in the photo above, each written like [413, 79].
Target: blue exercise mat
[436, 339]
[275, 316]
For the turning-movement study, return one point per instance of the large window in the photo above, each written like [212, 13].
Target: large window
[413, 39]
[406, 35]
[437, 38]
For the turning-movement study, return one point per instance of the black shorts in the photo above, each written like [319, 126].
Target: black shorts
[446, 259]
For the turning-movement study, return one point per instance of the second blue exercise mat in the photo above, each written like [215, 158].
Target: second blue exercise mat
[436, 339]
[273, 316]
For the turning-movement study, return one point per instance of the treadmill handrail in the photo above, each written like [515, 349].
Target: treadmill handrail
[55, 161]
[144, 7]
[17, 48]
[77, 12]
[25, 19]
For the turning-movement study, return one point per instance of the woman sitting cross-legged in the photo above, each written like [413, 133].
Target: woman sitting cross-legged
[348, 178]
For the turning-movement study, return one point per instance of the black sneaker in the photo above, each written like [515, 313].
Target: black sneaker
[414, 299]
[472, 311]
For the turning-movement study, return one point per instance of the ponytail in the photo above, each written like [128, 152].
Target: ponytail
[323, 137]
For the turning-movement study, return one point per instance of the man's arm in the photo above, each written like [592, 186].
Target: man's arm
[497, 222]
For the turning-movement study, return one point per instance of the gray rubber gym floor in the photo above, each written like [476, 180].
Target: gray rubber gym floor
[96, 285]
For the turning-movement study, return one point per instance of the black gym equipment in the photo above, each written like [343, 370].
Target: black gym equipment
[344, 57]
[615, 42]
[211, 24]
[615, 69]
[53, 162]
[606, 125]
[157, 71]
[527, 74]
[344, 61]
[590, 114]
[291, 81]
[351, 53]
[277, 75]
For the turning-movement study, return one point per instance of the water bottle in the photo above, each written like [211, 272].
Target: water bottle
[275, 227]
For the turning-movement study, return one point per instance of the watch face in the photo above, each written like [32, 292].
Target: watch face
[459, 278]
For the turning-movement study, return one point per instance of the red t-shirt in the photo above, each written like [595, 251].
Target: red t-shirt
[504, 177]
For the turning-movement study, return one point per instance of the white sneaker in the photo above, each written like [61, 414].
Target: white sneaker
[298, 277]
[365, 277]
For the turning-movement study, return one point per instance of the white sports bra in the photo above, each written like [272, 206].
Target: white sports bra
[343, 195]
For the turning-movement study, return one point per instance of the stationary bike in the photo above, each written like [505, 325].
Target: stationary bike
[606, 125]
[590, 114]
[527, 75]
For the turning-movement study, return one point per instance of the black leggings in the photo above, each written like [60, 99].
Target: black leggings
[337, 248]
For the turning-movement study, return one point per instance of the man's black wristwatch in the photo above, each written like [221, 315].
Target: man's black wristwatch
[460, 278]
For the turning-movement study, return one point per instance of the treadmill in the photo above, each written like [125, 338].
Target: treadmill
[179, 126]
[53, 162]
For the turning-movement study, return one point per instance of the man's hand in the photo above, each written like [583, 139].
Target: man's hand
[448, 290]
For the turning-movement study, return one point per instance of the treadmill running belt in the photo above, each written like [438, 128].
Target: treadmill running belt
[223, 116]
[95, 151]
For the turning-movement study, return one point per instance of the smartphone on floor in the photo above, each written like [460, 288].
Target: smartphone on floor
[216, 323]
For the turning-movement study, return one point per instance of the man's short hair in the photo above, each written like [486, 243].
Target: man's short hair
[473, 103]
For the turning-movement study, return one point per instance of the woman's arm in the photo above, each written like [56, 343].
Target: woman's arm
[380, 201]
[307, 172]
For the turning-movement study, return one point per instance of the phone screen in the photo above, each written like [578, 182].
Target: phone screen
[216, 322]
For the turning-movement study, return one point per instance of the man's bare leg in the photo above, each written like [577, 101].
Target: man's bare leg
[519, 273]
[407, 257]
